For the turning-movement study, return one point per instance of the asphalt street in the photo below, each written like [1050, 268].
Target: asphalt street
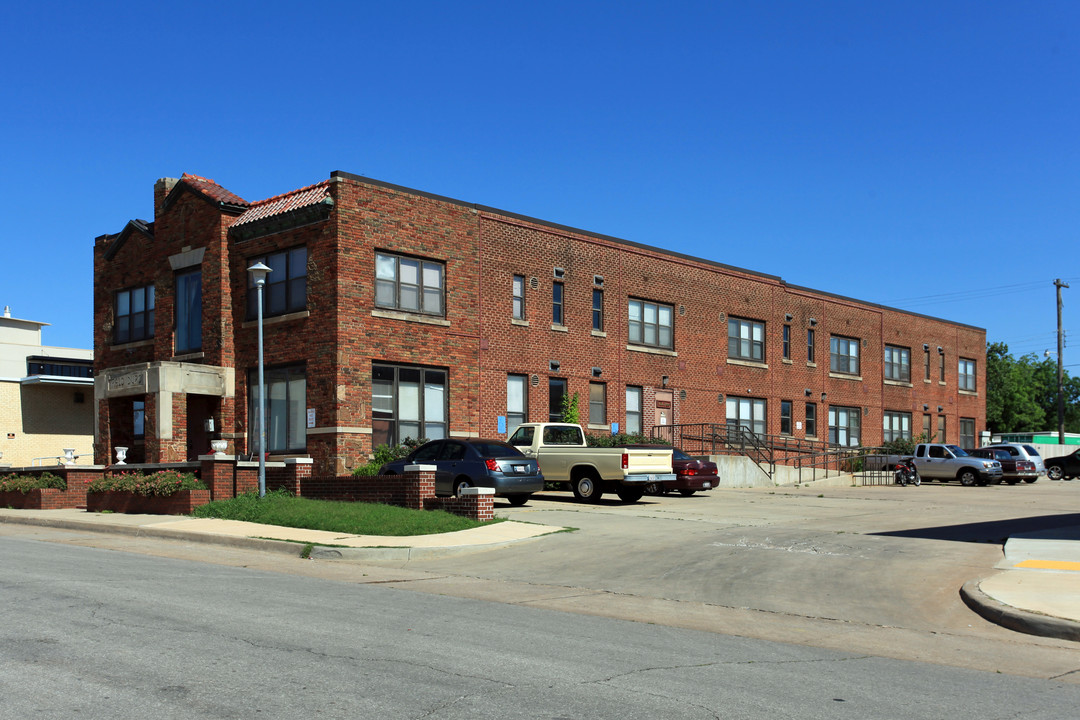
[92, 632]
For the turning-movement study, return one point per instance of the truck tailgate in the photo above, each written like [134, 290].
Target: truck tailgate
[647, 461]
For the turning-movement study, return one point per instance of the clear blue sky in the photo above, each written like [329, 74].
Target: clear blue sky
[923, 155]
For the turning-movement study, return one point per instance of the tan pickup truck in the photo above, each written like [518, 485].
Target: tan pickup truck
[565, 458]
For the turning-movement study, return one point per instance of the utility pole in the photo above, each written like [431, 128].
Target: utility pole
[1061, 365]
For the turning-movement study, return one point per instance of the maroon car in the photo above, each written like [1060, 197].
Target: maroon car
[690, 476]
[1013, 470]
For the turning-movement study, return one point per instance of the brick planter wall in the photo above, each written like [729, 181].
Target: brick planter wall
[43, 499]
[179, 503]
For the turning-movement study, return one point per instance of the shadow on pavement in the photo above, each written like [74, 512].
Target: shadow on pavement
[997, 531]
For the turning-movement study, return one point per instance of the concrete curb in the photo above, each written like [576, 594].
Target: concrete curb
[286, 547]
[1023, 621]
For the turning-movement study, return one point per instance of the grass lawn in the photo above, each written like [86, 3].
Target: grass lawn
[354, 518]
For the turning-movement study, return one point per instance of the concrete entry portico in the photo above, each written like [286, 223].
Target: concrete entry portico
[179, 398]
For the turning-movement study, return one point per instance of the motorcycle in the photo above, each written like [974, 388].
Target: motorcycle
[906, 473]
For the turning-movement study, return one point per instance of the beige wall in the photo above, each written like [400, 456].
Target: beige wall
[39, 420]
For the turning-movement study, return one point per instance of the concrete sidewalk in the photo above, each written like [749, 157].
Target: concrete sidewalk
[1037, 590]
[235, 533]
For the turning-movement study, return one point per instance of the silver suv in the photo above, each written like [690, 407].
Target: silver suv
[1022, 451]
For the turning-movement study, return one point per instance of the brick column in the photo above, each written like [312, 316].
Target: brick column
[479, 503]
[217, 475]
[419, 485]
[299, 470]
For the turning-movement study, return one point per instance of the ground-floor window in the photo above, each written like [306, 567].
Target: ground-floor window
[844, 426]
[785, 417]
[286, 403]
[597, 403]
[746, 412]
[967, 432]
[407, 402]
[897, 426]
[811, 420]
[517, 401]
[633, 410]
[556, 393]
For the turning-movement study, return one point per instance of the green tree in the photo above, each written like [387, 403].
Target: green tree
[1021, 394]
[570, 412]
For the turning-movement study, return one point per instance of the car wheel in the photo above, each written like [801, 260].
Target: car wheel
[519, 499]
[1055, 472]
[968, 478]
[687, 493]
[460, 484]
[586, 489]
[653, 489]
[629, 494]
[1013, 481]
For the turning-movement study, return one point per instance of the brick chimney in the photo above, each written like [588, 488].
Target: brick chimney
[161, 190]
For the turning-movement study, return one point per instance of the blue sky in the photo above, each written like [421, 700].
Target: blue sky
[922, 155]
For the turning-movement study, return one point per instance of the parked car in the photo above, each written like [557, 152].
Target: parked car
[937, 461]
[1065, 467]
[1024, 451]
[691, 476]
[1013, 469]
[463, 463]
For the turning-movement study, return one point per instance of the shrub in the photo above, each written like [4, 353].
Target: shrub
[622, 439]
[385, 454]
[159, 484]
[26, 483]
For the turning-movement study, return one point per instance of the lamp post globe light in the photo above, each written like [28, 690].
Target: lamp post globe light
[258, 276]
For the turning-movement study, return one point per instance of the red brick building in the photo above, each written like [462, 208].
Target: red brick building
[394, 313]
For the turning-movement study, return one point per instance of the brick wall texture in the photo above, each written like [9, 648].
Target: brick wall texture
[342, 332]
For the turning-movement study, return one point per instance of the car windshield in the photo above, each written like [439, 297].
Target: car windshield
[493, 449]
[957, 451]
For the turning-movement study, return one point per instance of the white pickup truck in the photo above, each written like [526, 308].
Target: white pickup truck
[564, 457]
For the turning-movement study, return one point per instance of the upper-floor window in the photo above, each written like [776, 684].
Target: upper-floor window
[746, 340]
[59, 367]
[926, 354]
[188, 337]
[557, 290]
[286, 283]
[941, 365]
[897, 363]
[597, 309]
[134, 314]
[519, 297]
[844, 355]
[967, 375]
[785, 343]
[650, 323]
[810, 339]
[409, 284]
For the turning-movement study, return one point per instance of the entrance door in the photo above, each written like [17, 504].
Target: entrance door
[200, 408]
[664, 414]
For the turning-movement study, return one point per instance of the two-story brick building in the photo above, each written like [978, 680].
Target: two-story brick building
[393, 313]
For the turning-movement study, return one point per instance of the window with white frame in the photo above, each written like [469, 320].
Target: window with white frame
[897, 426]
[897, 363]
[519, 297]
[650, 324]
[517, 401]
[844, 355]
[844, 426]
[746, 340]
[633, 410]
[409, 284]
[967, 375]
[746, 412]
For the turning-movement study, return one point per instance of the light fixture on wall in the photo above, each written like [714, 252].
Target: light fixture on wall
[925, 407]
[664, 381]
[823, 396]
[940, 351]
[553, 365]
[939, 408]
[596, 372]
[787, 317]
[808, 391]
[258, 275]
[813, 322]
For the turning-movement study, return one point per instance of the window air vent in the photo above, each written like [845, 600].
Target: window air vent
[534, 380]
[682, 394]
[534, 283]
[682, 310]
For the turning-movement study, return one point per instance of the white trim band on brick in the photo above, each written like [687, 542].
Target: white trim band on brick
[339, 431]
[421, 468]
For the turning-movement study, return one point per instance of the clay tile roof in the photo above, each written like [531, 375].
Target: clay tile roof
[212, 190]
[287, 202]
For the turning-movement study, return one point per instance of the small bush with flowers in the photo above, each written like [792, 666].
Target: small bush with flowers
[159, 484]
[26, 483]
